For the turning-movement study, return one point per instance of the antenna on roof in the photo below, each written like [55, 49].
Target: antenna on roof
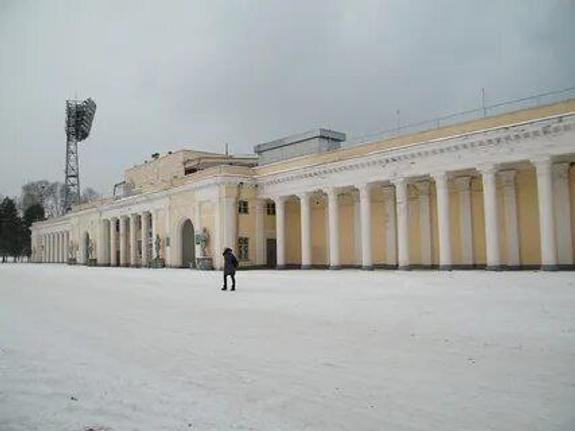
[227, 150]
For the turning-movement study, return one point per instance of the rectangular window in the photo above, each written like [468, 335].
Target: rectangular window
[243, 248]
[243, 207]
[270, 208]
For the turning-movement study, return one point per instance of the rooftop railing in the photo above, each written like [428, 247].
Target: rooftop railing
[464, 116]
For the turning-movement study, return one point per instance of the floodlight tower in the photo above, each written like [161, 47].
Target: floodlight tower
[79, 117]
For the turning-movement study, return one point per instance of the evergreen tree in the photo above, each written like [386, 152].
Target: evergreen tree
[11, 229]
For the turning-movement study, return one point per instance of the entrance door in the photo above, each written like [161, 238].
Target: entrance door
[188, 246]
[271, 256]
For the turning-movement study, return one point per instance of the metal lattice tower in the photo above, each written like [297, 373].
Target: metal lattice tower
[79, 117]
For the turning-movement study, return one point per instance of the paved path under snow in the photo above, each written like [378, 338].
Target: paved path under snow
[128, 349]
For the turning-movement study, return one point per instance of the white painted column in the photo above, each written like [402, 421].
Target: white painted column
[562, 209]
[144, 217]
[424, 222]
[260, 208]
[465, 227]
[442, 190]
[333, 221]
[58, 247]
[402, 211]
[230, 223]
[356, 229]
[305, 218]
[61, 237]
[154, 218]
[280, 232]
[390, 226]
[490, 214]
[546, 216]
[365, 212]
[133, 240]
[50, 248]
[113, 242]
[123, 241]
[168, 237]
[511, 226]
[66, 246]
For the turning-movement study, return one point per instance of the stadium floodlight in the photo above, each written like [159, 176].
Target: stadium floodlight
[79, 118]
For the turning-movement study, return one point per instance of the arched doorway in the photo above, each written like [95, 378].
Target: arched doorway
[188, 245]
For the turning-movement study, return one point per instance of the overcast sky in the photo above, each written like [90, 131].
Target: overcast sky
[196, 74]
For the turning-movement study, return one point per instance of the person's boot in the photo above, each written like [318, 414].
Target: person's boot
[233, 288]
[225, 288]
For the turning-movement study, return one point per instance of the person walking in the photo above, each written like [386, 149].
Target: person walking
[230, 265]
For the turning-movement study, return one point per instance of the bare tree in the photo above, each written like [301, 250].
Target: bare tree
[89, 194]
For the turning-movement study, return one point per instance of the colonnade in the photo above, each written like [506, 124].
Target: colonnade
[53, 247]
[127, 240]
[554, 225]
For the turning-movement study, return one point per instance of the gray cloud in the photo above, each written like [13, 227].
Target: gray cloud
[197, 74]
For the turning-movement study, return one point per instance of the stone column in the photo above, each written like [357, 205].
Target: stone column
[50, 247]
[123, 241]
[260, 209]
[511, 227]
[154, 218]
[305, 230]
[280, 231]
[465, 228]
[44, 249]
[390, 226]
[133, 239]
[333, 221]
[145, 233]
[562, 203]
[490, 213]
[66, 245]
[402, 223]
[442, 190]
[113, 242]
[424, 222]
[546, 216]
[61, 245]
[365, 212]
[356, 228]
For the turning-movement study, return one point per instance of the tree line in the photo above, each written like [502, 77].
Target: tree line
[38, 201]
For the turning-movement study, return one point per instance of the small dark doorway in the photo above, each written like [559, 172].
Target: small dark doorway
[271, 255]
[188, 245]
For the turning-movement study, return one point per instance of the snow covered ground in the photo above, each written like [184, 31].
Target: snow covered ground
[127, 349]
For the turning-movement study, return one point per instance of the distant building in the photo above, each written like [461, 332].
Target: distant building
[497, 192]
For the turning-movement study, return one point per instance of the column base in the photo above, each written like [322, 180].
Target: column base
[404, 267]
[445, 267]
[335, 267]
[367, 268]
[305, 267]
[280, 267]
[493, 268]
[549, 267]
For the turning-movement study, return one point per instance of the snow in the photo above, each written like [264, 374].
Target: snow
[134, 349]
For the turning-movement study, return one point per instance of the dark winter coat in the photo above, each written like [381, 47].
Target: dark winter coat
[230, 262]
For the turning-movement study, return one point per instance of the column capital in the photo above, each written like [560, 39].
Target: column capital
[487, 168]
[304, 196]
[463, 183]
[439, 176]
[332, 191]
[399, 181]
[364, 188]
[279, 199]
[542, 163]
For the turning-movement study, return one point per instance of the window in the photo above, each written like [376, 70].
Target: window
[270, 208]
[243, 207]
[243, 248]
